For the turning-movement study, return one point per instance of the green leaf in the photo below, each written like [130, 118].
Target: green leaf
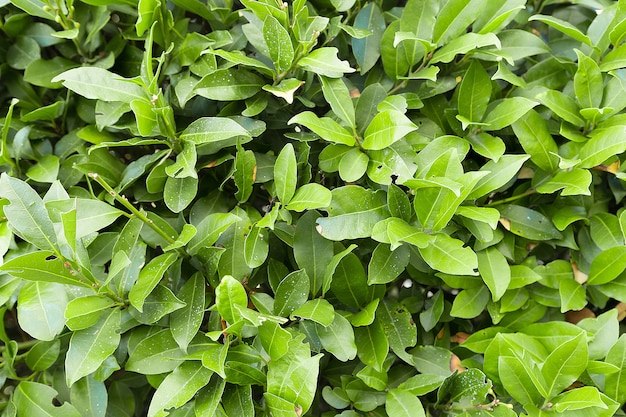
[149, 277]
[565, 364]
[614, 385]
[386, 128]
[507, 112]
[213, 129]
[285, 90]
[44, 266]
[402, 403]
[43, 355]
[45, 170]
[185, 322]
[353, 165]
[27, 214]
[607, 266]
[178, 387]
[318, 310]
[325, 127]
[535, 138]
[214, 357]
[332, 266]
[562, 105]
[386, 265]
[517, 380]
[495, 272]
[324, 61]
[573, 295]
[474, 92]
[588, 83]
[278, 43]
[237, 401]
[352, 213]
[36, 400]
[432, 360]
[464, 44]
[400, 330]
[208, 398]
[372, 345]
[286, 174]
[337, 95]
[41, 307]
[312, 251]
[310, 197]
[229, 85]
[470, 303]
[292, 292]
[491, 147]
[528, 223]
[499, 173]
[338, 338]
[256, 247]
[433, 310]
[156, 353]
[563, 27]
[578, 399]
[90, 347]
[448, 255]
[245, 174]
[453, 19]
[228, 295]
[91, 215]
[99, 84]
[179, 192]
[84, 312]
[604, 143]
[90, 397]
[209, 230]
[367, 50]
[349, 283]
[574, 182]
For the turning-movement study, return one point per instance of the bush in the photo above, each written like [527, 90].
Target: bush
[321, 208]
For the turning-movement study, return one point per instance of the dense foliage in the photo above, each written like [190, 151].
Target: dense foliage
[324, 207]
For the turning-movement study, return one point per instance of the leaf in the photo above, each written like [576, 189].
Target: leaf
[386, 265]
[43, 355]
[285, 89]
[209, 230]
[563, 27]
[178, 387]
[90, 347]
[353, 165]
[245, 174]
[278, 43]
[372, 345]
[45, 170]
[565, 364]
[332, 266]
[495, 272]
[464, 44]
[179, 192]
[84, 312]
[400, 330]
[352, 213]
[40, 309]
[292, 292]
[588, 83]
[43, 266]
[578, 399]
[453, 19]
[517, 380]
[402, 403]
[91, 215]
[448, 255]
[228, 295]
[36, 400]
[367, 50]
[349, 283]
[286, 174]
[386, 128]
[607, 266]
[318, 310]
[325, 127]
[99, 84]
[26, 213]
[185, 322]
[310, 197]
[470, 303]
[574, 182]
[535, 138]
[562, 105]
[528, 223]
[256, 247]
[312, 251]
[573, 295]
[149, 277]
[338, 338]
[337, 95]
[214, 357]
[156, 353]
[229, 85]
[433, 309]
[324, 61]
[507, 112]
[499, 173]
[604, 143]
[614, 385]
[213, 129]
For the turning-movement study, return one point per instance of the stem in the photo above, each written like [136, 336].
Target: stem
[21, 345]
[124, 201]
[514, 198]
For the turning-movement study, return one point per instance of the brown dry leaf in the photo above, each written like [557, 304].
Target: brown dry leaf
[579, 276]
[455, 364]
[621, 311]
[506, 223]
[526, 173]
[459, 338]
[574, 316]
[355, 93]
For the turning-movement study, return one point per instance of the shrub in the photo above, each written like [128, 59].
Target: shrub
[322, 208]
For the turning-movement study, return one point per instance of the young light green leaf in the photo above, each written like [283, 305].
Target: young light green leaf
[229, 294]
[517, 380]
[499, 173]
[274, 339]
[603, 144]
[229, 84]
[99, 84]
[40, 309]
[534, 136]
[563, 27]
[607, 266]
[562, 105]
[565, 364]
[256, 247]
[90, 347]
[44, 266]
[179, 192]
[278, 43]
[213, 129]
[402, 403]
[386, 265]
[337, 95]
[37, 400]
[338, 338]
[310, 197]
[495, 272]
[353, 165]
[178, 387]
[245, 174]
[448, 255]
[464, 44]
[286, 174]
[386, 128]
[318, 310]
[325, 127]
[84, 312]
[469, 303]
[614, 383]
[574, 182]
[372, 344]
[454, 17]
[324, 61]
[588, 82]
[185, 322]
[507, 112]
[149, 277]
